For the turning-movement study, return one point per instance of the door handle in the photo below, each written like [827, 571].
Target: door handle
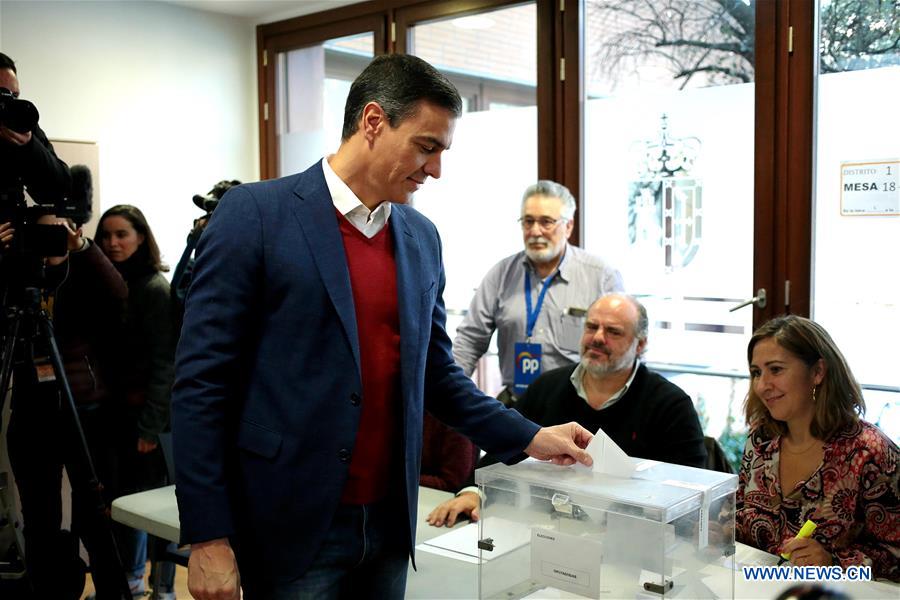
[759, 300]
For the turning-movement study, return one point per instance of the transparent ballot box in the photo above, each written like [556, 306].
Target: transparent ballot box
[569, 532]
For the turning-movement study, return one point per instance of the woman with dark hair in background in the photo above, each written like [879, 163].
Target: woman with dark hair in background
[146, 375]
[810, 456]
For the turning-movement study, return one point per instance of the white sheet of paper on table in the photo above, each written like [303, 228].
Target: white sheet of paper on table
[608, 457]
[461, 543]
[425, 547]
[750, 556]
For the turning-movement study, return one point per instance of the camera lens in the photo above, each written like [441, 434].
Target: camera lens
[19, 115]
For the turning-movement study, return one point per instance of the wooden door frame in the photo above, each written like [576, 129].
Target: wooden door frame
[782, 246]
[284, 36]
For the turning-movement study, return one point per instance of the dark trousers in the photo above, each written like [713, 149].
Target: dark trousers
[364, 555]
[129, 472]
[41, 440]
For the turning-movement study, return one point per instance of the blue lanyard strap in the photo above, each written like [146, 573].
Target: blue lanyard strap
[532, 316]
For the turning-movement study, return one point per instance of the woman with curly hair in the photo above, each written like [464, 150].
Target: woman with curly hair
[810, 456]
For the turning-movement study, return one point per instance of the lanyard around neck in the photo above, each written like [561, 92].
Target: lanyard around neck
[532, 315]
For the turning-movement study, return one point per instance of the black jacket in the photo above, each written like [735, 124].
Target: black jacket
[149, 349]
[655, 419]
[34, 166]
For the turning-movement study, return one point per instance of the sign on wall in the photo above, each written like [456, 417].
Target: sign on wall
[870, 188]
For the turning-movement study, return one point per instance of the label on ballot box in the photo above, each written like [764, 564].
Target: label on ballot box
[566, 562]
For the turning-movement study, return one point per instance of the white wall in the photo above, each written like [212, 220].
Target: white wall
[169, 94]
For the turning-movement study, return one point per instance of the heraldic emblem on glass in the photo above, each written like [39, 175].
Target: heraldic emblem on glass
[665, 203]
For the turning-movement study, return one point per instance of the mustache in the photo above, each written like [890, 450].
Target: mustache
[538, 239]
[599, 347]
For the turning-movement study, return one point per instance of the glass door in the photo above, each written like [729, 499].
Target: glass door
[491, 57]
[669, 141]
[304, 70]
[856, 290]
[311, 86]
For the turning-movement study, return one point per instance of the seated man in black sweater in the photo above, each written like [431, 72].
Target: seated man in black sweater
[610, 389]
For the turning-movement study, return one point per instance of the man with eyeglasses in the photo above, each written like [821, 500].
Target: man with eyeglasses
[536, 299]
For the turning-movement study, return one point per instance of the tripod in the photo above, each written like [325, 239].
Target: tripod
[28, 325]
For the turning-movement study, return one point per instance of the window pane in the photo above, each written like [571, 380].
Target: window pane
[492, 60]
[641, 45]
[311, 86]
[856, 291]
[669, 143]
[491, 57]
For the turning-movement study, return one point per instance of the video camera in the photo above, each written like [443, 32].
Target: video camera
[19, 115]
[38, 240]
[33, 239]
[211, 199]
[181, 277]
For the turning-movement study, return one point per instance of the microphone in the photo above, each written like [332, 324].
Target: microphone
[77, 205]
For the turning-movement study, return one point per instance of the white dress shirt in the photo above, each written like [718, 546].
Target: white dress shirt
[368, 222]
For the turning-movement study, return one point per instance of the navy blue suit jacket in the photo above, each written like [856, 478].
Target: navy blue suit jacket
[268, 367]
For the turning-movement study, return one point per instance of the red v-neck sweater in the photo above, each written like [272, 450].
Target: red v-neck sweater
[373, 279]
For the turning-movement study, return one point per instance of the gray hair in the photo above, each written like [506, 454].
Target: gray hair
[545, 187]
[642, 327]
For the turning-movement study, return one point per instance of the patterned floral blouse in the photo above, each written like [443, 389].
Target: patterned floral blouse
[853, 498]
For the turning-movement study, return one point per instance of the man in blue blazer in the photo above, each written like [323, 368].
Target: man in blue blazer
[313, 341]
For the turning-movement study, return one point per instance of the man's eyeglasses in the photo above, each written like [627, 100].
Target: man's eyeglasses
[545, 223]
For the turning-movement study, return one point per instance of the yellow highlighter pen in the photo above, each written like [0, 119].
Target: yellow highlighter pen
[807, 530]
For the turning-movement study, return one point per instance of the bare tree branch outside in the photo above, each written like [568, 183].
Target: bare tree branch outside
[700, 43]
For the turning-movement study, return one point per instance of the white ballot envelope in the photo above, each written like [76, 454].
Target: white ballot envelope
[608, 457]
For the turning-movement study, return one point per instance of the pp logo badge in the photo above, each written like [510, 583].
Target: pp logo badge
[528, 365]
